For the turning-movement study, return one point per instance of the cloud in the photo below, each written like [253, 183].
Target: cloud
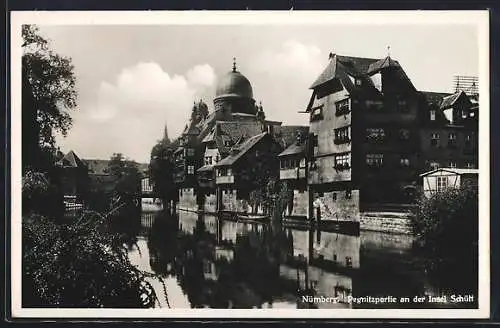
[129, 114]
[287, 71]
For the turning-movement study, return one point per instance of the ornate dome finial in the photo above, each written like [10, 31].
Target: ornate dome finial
[234, 64]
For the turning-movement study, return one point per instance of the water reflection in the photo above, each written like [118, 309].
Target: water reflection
[209, 262]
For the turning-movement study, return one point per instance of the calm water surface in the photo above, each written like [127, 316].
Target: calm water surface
[202, 261]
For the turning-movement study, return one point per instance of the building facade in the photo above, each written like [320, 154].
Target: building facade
[372, 133]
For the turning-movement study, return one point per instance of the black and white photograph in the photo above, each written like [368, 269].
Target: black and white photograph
[250, 164]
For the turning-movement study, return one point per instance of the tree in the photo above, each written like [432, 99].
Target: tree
[126, 176]
[161, 171]
[447, 235]
[48, 92]
[81, 264]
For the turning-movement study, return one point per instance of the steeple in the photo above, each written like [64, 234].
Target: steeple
[234, 64]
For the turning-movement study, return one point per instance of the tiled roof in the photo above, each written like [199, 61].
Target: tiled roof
[346, 67]
[360, 64]
[100, 166]
[451, 170]
[287, 134]
[241, 150]
[449, 101]
[382, 63]
[233, 132]
[97, 166]
[205, 168]
[294, 149]
[71, 160]
[434, 98]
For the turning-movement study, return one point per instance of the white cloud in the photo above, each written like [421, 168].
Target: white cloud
[130, 113]
[287, 71]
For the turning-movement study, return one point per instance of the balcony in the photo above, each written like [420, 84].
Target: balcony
[292, 173]
[224, 179]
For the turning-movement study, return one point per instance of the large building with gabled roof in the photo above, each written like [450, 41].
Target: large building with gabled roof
[370, 131]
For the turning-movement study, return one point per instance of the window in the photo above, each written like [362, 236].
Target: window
[434, 165]
[227, 143]
[348, 194]
[342, 107]
[433, 115]
[190, 151]
[190, 169]
[375, 134]
[314, 140]
[453, 165]
[229, 172]
[442, 183]
[348, 261]
[470, 165]
[402, 105]
[435, 139]
[374, 104]
[404, 134]
[359, 82]
[334, 196]
[452, 140]
[468, 140]
[317, 113]
[404, 161]
[375, 160]
[342, 162]
[313, 165]
[208, 160]
[342, 135]
[334, 257]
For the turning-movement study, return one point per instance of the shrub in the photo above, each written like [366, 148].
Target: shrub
[447, 235]
[79, 264]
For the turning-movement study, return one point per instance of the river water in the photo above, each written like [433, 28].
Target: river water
[202, 261]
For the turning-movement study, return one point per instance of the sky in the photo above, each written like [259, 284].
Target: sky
[132, 81]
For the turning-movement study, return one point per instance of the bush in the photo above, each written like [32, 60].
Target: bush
[40, 196]
[79, 264]
[447, 235]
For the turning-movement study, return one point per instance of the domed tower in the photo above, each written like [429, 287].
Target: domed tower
[234, 94]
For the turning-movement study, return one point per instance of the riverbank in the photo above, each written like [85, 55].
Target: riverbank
[387, 222]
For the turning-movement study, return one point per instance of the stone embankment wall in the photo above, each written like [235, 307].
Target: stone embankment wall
[386, 222]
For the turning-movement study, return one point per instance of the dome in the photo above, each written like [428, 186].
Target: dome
[234, 84]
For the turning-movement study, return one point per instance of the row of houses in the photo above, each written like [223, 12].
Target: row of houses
[371, 134]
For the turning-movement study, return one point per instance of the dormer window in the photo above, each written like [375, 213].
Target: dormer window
[433, 115]
[359, 82]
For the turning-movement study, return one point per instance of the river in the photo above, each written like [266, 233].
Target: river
[202, 261]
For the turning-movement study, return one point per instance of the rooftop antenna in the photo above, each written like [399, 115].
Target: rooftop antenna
[234, 64]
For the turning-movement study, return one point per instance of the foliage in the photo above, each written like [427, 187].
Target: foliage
[447, 233]
[39, 195]
[127, 178]
[161, 170]
[48, 91]
[79, 264]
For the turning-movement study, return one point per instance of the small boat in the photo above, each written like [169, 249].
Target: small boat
[151, 205]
